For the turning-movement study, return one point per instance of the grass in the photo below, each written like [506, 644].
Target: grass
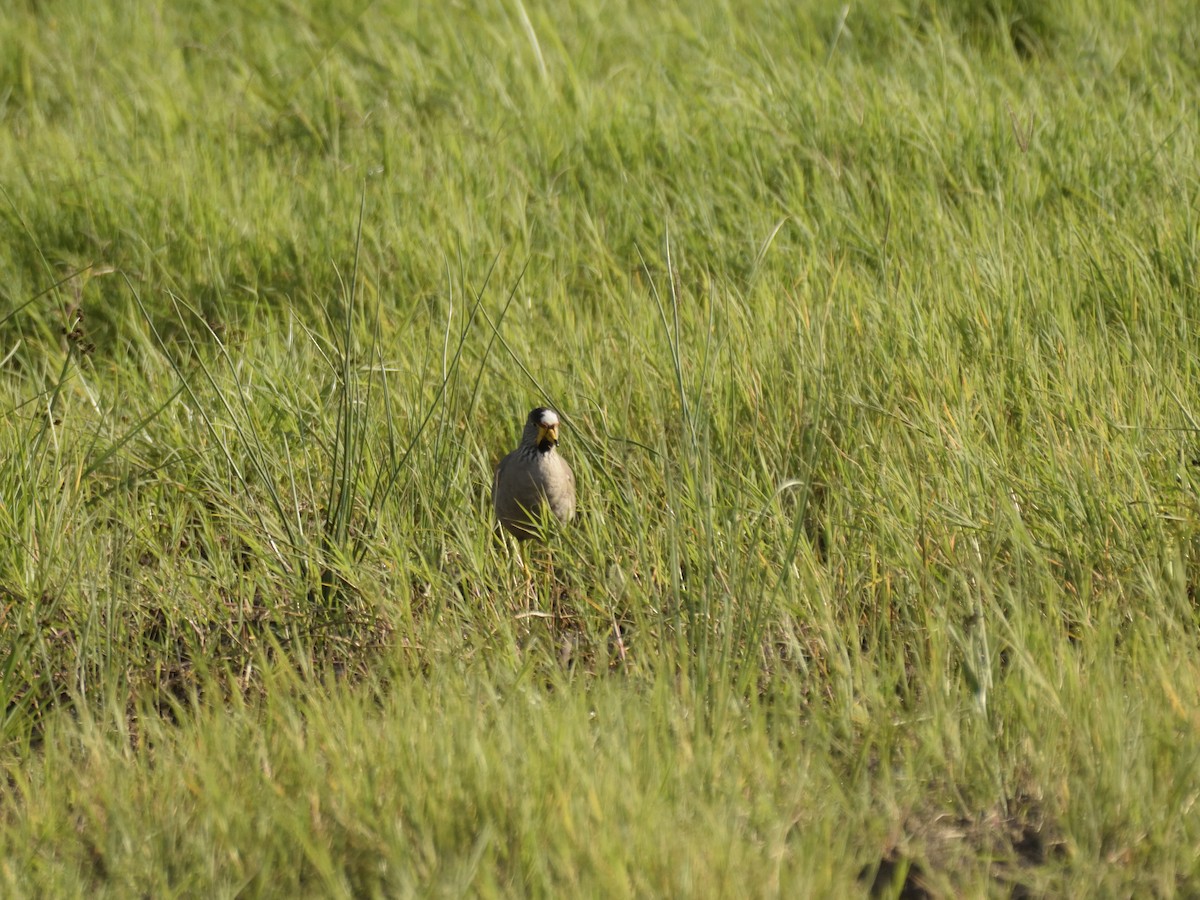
[874, 333]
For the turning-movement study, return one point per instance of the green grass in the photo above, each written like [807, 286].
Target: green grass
[874, 330]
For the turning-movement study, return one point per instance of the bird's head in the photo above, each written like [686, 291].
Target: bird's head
[542, 428]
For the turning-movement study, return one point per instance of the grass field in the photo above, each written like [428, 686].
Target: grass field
[874, 332]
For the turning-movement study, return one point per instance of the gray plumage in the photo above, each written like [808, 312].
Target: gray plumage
[532, 475]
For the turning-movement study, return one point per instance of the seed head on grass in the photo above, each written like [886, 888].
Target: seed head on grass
[533, 477]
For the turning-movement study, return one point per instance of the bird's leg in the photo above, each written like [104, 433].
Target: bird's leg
[527, 576]
[549, 582]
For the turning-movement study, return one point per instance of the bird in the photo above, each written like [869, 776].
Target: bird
[532, 477]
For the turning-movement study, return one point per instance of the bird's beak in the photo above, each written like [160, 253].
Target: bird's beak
[550, 434]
